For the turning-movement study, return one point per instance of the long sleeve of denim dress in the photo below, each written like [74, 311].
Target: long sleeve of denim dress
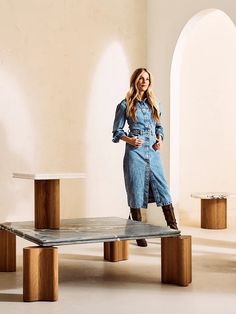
[143, 171]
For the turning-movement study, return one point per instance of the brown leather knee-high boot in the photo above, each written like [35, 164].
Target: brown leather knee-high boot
[169, 214]
[136, 215]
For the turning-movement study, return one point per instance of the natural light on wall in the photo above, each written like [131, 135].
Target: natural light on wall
[17, 140]
[105, 187]
[177, 63]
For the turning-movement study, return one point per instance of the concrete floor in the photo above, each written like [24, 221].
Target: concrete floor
[88, 284]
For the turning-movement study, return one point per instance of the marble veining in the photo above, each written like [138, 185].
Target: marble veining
[213, 195]
[88, 230]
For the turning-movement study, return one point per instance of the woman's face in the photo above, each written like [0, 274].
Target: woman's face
[143, 82]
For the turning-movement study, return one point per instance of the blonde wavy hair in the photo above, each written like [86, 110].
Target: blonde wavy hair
[132, 95]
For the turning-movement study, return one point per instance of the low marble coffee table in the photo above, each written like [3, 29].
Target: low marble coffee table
[114, 232]
[213, 209]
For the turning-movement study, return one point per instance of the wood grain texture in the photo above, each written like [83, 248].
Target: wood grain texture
[47, 204]
[176, 260]
[214, 213]
[7, 251]
[116, 251]
[40, 274]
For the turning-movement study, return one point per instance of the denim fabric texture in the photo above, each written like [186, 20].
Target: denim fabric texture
[143, 171]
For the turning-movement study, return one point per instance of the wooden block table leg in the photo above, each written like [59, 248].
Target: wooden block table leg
[7, 251]
[40, 274]
[116, 251]
[214, 213]
[176, 260]
[47, 204]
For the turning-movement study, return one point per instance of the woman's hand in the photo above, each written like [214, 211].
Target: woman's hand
[137, 142]
[134, 141]
[157, 145]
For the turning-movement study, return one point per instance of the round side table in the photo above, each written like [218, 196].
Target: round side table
[213, 209]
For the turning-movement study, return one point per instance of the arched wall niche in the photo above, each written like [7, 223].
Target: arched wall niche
[165, 28]
[201, 107]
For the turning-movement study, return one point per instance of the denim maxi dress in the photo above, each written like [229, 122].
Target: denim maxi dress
[143, 172]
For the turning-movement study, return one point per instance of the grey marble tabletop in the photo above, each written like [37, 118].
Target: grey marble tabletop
[88, 230]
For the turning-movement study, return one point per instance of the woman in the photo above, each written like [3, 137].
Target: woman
[144, 179]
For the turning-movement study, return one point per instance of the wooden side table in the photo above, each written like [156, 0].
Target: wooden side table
[47, 196]
[213, 209]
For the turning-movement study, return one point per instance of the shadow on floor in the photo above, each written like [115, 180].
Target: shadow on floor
[98, 273]
[10, 297]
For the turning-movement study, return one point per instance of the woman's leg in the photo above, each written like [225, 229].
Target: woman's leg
[169, 214]
[136, 215]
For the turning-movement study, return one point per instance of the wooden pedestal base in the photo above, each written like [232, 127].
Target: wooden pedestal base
[7, 251]
[116, 251]
[214, 213]
[176, 260]
[40, 274]
[47, 204]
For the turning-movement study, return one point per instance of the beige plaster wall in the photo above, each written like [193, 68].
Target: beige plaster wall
[51, 78]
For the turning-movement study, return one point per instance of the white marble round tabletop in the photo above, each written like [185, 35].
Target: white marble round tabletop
[50, 176]
[213, 195]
